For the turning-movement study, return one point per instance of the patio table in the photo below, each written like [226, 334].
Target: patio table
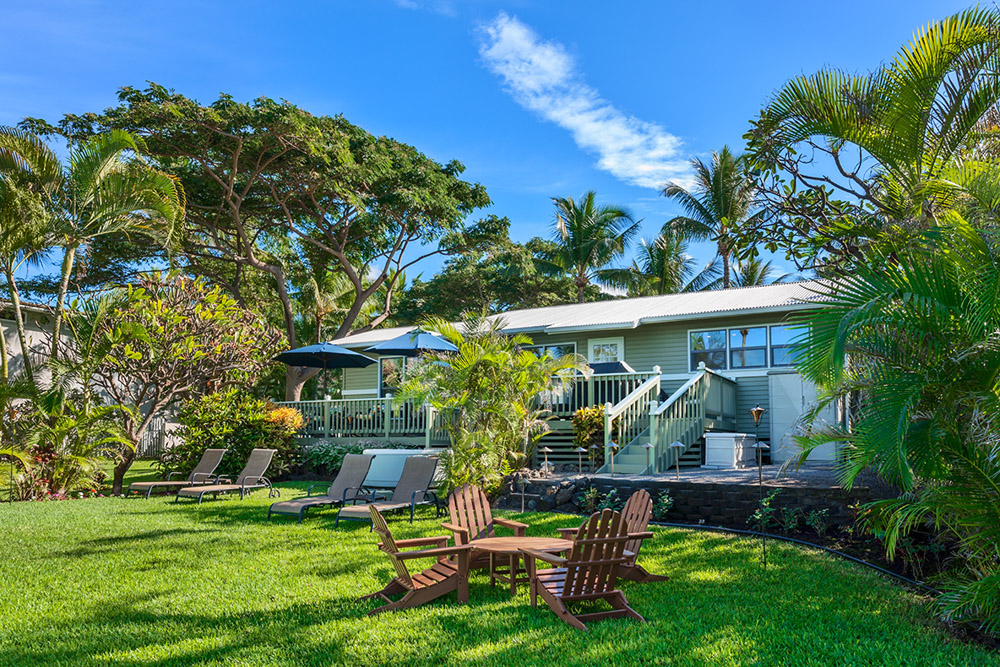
[511, 548]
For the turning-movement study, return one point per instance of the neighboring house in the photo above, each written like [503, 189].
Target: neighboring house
[37, 329]
[705, 358]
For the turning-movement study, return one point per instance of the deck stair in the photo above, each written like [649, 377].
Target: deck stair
[705, 402]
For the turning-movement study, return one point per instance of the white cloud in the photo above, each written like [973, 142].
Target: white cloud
[543, 77]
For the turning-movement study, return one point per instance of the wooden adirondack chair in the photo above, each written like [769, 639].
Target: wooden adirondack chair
[589, 573]
[472, 519]
[637, 512]
[446, 575]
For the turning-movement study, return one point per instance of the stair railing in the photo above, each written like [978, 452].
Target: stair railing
[627, 419]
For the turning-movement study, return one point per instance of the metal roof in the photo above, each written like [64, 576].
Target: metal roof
[631, 313]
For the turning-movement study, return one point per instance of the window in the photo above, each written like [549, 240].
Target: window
[391, 371]
[748, 347]
[556, 350]
[605, 350]
[710, 347]
[781, 351]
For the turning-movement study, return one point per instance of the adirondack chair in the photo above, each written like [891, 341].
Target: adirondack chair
[450, 571]
[472, 519]
[589, 573]
[637, 512]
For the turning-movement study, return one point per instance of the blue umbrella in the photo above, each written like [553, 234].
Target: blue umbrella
[324, 355]
[413, 343]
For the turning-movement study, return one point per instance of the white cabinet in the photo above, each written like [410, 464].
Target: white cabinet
[729, 450]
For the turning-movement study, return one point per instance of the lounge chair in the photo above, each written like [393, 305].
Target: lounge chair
[589, 573]
[446, 575]
[412, 489]
[637, 512]
[201, 474]
[347, 486]
[250, 479]
[472, 519]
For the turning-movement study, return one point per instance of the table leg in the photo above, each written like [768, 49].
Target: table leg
[493, 569]
[513, 573]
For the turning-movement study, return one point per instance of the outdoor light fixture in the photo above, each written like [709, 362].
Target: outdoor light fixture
[580, 451]
[757, 412]
[546, 451]
[677, 446]
[594, 448]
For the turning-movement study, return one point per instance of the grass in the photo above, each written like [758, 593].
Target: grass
[112, 581]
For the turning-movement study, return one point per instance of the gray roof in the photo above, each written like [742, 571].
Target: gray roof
[631, 313]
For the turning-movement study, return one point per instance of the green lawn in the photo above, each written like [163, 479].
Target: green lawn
[113, 581]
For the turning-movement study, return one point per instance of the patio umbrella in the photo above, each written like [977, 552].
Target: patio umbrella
[325, 356]
[413, 343]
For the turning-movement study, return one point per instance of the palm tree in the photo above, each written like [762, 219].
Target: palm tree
[29, 172]
[720, 201]
[892, 136]
[913, 339]
[663, 266]
[109, 189]
[589, 238]
[755, 272]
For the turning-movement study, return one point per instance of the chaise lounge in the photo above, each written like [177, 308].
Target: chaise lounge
[250, 479]
[412, 489]
[202, 474]
[347, 486]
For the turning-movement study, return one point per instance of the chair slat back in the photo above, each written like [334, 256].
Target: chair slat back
[388, 545]
[417, 475]
[637, 512]
[469, 508]
[210, 460]
[352, 474]
[257, 464]
[592, 567]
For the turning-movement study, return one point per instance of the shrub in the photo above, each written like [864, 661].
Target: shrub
[588, 500]
[239, 422]
[325, 458]
[588, 430]
[764, 516]
[789, 518]
[612, 501]
[662, 506]
[819, 521]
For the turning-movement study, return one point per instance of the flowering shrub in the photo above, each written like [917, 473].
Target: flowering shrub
[325, 458]
[239, 422]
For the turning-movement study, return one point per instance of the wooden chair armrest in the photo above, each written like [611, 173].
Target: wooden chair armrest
[568, 533]
[516, 526]
[433, 553]
[439, 540]
[641, 536]
[461, 533]
[545, 557]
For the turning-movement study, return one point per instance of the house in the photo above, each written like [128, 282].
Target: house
[681, 366]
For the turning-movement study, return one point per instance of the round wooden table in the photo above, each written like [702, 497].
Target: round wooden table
[511, 548]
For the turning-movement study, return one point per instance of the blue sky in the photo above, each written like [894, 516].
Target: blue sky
[537, 99]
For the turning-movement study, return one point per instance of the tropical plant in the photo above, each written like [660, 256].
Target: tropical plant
[847, 160]
[913, 339]
[755, 272]
[720, 201]
[589, 236]
[663, 266]
[238, 422]
[325, 458]
[588, 431]
[490, 395]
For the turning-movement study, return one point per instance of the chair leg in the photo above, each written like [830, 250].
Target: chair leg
[619, 602]
[638, 573]
[559, 607]
[337, 521]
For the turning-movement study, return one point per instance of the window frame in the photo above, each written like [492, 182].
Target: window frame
[405, 360]
[534, 347]
[725, 350]
[618, 340]
[769, 350]
[766, 347]
[771, 347]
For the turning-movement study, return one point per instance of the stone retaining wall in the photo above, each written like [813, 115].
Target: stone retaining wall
[713, 503]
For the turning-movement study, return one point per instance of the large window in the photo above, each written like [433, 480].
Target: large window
[605, 350]
[781, 351]
[708, 347]
[391, 371]
[555, 350]
[742, 348]
[748, 347]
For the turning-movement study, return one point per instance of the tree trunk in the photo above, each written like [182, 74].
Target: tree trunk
[4, 358]
[726, 282]
[128, 457]
[581, 285]
[67, 271]
[15, 299]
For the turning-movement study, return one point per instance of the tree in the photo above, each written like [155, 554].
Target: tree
[845, 161]
[663, 266]
[489, 396]
[913, 339]
[588, 238]
[720, 202]
[29, 173]
[755, 272]
[260, 175]
[163, 341]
